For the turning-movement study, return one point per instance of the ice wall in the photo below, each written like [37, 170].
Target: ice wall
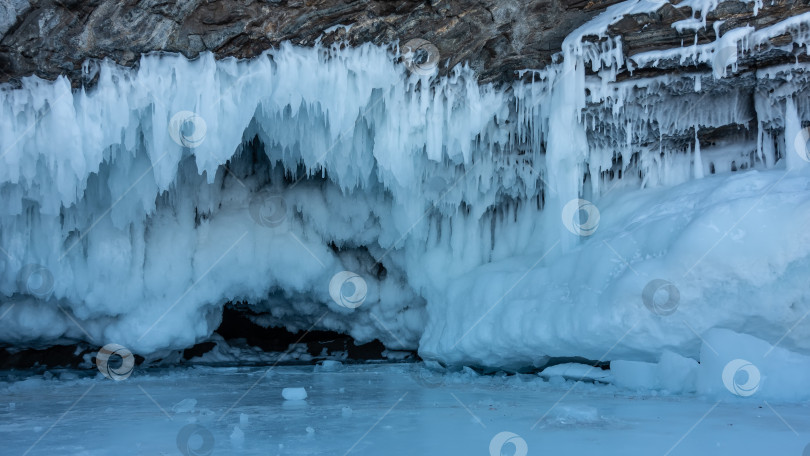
[497, 226]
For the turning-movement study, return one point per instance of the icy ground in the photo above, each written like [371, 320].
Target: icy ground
[399, 409]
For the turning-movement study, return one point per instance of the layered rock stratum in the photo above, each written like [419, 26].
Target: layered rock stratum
[496, 38]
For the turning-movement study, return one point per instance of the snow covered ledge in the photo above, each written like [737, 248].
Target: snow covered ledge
[497, 227]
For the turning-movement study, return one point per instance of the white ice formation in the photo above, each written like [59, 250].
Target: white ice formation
[133, 211]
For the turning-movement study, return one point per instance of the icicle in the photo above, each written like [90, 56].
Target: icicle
[698, 161]
[795, 138]
[567, 142]
[760, 154]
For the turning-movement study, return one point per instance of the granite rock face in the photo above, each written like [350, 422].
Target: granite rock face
[496, 38]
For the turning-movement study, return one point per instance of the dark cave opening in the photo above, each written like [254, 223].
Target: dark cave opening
[238, 328]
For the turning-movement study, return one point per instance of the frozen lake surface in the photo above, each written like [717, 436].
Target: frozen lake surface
[390, 409]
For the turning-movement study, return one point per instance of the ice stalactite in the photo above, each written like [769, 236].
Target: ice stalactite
[793, 129]
[698, 160]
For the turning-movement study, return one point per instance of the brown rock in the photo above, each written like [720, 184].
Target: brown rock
[495, 38]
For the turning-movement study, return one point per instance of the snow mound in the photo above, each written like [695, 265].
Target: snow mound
[723, 251]
[673, 374]
[732, 366]
[742, 366]
[294, 394]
